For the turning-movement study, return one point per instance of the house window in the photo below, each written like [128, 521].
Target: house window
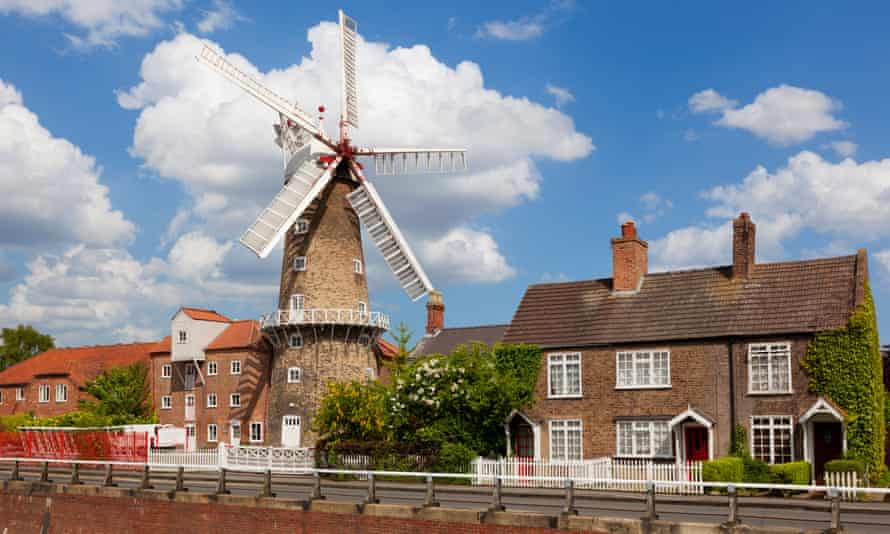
[772, 438]
[564, 375]
[235, 367]
[256, 432]
[190, 431]
[295, 341]
[235, 400]
[565, 440]
[769, 368]
[43, 393]
[644, 439]
[357, 266]
[293, 375]
[235, 431]
[211, 432]
[301, 226]
[211, 400]
[61, 392]
[182, 337]
[166, 370]
[1, 397]
[297, 301]
[212, 368]
[19, 393]
[300, 263]
[643, 369]
[166, 402]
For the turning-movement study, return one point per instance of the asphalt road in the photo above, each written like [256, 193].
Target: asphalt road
[864, 518]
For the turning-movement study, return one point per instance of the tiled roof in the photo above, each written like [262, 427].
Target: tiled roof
[778, 298]
[80, 363]
[163, 346]
[205, 315]
[239, 335]
[387, 349]
[448, 339]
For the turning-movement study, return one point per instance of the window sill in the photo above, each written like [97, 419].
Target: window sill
[578, 396]
[768, 393]
[666, 386]
[627, 457]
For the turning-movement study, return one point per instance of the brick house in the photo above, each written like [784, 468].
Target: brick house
[665, 365]
[438, 339]
[52, 383]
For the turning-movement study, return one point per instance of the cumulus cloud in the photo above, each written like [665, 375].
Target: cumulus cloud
[466, 255]
[653, 206]
[196, 128]
[221, 17]
[197, 256]
[562, 95]
[782, 115]
[49, 190]
[883, 258]
[845, 149]
[103, 21]
[521, 29]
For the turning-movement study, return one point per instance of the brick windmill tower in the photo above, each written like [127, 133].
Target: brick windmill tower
[323, 329]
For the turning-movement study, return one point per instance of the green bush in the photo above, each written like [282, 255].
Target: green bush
[797, 473]
[756, 472]
[727, 469]
[9, 423]
[739, 445]
[455, 458]
[845, 466]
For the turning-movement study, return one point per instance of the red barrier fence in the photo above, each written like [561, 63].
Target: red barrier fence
[103, 445]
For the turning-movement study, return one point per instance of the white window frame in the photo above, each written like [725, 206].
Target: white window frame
[43, 393]
[166, 402]
[214, 398]
[212, 368]
[233, 425]
[563, 365]
[232, 397]
[212, 433]
[770, 377]
[20, 393]
[290, 375]
[300, 263]
[772, 426]
[638, 356]
[295, 299]
[564, 423]
[253, 426]
[2, 395]
[301, 226]
[63, 389]
[295, 341]
[647, 425]
[357, 266]
[362, 307]
[232, 367]
[167, 370]
[182, 337]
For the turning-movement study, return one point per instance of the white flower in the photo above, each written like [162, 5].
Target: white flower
[429, 402]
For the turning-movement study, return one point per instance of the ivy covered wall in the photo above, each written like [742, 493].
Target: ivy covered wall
[845, 365]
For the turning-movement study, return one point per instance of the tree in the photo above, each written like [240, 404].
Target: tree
[21, 343]
[122, 394]
[402, 338]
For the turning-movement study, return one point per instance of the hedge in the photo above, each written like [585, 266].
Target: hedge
[797, 473]
[845, 466]
[727, 469]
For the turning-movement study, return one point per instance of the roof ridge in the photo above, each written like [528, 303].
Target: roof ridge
[477, 326]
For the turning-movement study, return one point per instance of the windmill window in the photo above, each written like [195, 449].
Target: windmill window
[235, 400]
[357, 266]
[212, 368]
[301, 227]
[166, 370]
[300, 263]
[297, 301]
[362, 307]
[295, 341]
[293, 375]
[166, 402]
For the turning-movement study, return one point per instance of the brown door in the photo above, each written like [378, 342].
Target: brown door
[827, 445]
[696, 444]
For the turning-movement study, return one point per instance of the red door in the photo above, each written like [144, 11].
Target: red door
[696, 444]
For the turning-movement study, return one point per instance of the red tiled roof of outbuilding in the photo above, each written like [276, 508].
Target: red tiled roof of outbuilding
[80, 363]
[239, 335]
[205, 315]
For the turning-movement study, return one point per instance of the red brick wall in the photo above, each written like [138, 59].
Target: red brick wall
[41, 409]
[100, 515]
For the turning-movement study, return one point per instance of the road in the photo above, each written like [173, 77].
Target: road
[864, 518]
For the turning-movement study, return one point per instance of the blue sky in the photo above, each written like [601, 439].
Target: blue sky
[128, 171]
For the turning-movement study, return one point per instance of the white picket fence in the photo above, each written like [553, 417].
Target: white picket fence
[848, 482]
[608, 473]
[235, 457]
[176, 458]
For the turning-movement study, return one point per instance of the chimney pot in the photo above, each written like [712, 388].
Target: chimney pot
[629, 230]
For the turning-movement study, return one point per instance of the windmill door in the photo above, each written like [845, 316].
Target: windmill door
[290, 431]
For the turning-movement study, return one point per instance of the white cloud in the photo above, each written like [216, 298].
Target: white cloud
[221, 17]
[196, 128]
[103, 20]
[174, 226]
[782, 115]
[654, 206]
[624, 217]
[883, 258]
[554, 277]
[466, 255]
[846, 149]
[521, 29]
[49, 190]
[562, 95]
[197, 256]
[710, 100]
[691, 247]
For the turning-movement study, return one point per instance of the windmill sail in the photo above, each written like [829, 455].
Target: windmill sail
[389, 241]
[388, 161]
[348, 48]
[306, 183]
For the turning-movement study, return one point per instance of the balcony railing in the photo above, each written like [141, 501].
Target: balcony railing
[323, 316]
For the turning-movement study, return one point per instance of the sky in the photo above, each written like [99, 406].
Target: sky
[128, 171]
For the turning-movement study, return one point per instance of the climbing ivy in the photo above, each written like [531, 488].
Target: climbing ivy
[845, 365]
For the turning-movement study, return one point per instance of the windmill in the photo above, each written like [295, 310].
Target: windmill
[312, 160]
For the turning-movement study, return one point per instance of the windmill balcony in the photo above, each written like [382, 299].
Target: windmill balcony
[325, 316]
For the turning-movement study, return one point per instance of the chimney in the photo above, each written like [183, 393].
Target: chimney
[743, 231]
[435, 313]
[630, 259]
